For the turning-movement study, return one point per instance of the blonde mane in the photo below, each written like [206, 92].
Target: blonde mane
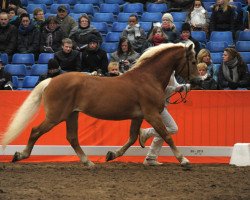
[155, 50]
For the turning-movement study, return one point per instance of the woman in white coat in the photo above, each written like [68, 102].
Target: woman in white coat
[172, 128]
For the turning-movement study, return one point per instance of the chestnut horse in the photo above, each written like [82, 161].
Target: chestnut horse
[138, 94]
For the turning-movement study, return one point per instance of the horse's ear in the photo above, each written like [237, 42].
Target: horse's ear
[190, 47]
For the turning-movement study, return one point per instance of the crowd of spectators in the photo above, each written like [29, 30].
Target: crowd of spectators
[77, 44]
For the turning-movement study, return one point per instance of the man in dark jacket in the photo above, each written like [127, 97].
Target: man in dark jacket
[94, 58]
[68, 59]
[5, 78]
[8, 35]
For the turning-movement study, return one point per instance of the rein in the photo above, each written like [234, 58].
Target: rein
[182, 98]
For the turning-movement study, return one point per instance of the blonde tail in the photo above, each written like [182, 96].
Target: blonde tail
[23, 115]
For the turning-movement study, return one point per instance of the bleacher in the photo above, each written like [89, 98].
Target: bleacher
[110, 18]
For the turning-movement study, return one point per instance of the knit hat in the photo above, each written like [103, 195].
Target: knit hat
[186, 27]
[93, 38]
[53, 64]
[168, 17]
[62, 8]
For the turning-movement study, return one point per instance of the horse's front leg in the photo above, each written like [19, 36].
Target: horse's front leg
[134, 132]
[156, 121]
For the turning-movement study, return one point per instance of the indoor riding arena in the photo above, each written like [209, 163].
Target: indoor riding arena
[214, 134]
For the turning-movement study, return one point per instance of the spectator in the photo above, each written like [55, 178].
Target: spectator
[185, 37]
[51, 36]
[4, 5]
[205, 56]
[135, 34]
[94, 58]
[5, 78]
[156, 37]
[28, 36]
[223, 17]
[16, 4]
[53, 70]
[207, 83]
[8, 35]
[179, 5]
[13, 17]
[66, 22]
[169, 28]
[125, 55]
[67, 58]
[38, 18]
[233, 73]
[246, 17]
[113, 69]
[198, 17]
[81, 33]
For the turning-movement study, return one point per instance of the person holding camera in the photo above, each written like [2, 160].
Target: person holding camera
[233, 72]
[125, 55]
[5, 78]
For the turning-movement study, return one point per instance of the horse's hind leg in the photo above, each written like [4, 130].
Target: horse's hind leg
[72, 137]
[134, 132]
[156, 122]
[36, 132]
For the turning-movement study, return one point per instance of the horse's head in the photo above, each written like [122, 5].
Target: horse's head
[187, 67]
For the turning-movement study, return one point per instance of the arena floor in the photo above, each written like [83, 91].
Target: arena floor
[123, 181]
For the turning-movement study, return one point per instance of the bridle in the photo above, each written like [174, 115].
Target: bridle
[182, 98]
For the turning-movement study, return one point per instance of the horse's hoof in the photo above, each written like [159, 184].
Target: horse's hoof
[110, 156]
[89, 163]
[186, 166]
[16, 157]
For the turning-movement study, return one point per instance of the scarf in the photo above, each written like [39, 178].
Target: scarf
[198, 16]
[204, 77]
[230, 71]
[25, 30]
[79, 31]
[133, 32]
[157, 39]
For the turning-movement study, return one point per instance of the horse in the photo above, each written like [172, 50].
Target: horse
[137, 94]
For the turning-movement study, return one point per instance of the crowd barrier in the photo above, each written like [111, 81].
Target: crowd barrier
[210, 123]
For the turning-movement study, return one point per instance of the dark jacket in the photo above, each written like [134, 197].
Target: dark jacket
[8, 39]
[172, 34]
[51, 39]
[69, 61]
[223, 21]
[209, 84]
[94, 60]
[5, 77]
[28, 39]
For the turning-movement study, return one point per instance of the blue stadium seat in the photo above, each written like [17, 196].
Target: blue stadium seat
[244, 36]
[113, 37]
[110, 8]
[245, 56]
[16, 69]
[133, 8]
[96, 3]
[75, 16]
[48, 15]
[248, 67]
[178, 26]
[156, 7]
[208, 6]
[216, 57]
[101, 26]
[38, 69]
[46, 2]
[4, 58]
[31, 7]
[200, 36]
[120, 2]
[118, 26]
[23, 58]
[151, 17]
[15, 82]
[70, 2]
[44, 58]
[84, 8]
[243, 46]
[24, 3]
[104, 17]
[216, 46]
[179, 16]
[53, 8]
[238, 5]
[109, 47]
[146, 26]
[218, 36]
[123, 17]
[29, 82]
